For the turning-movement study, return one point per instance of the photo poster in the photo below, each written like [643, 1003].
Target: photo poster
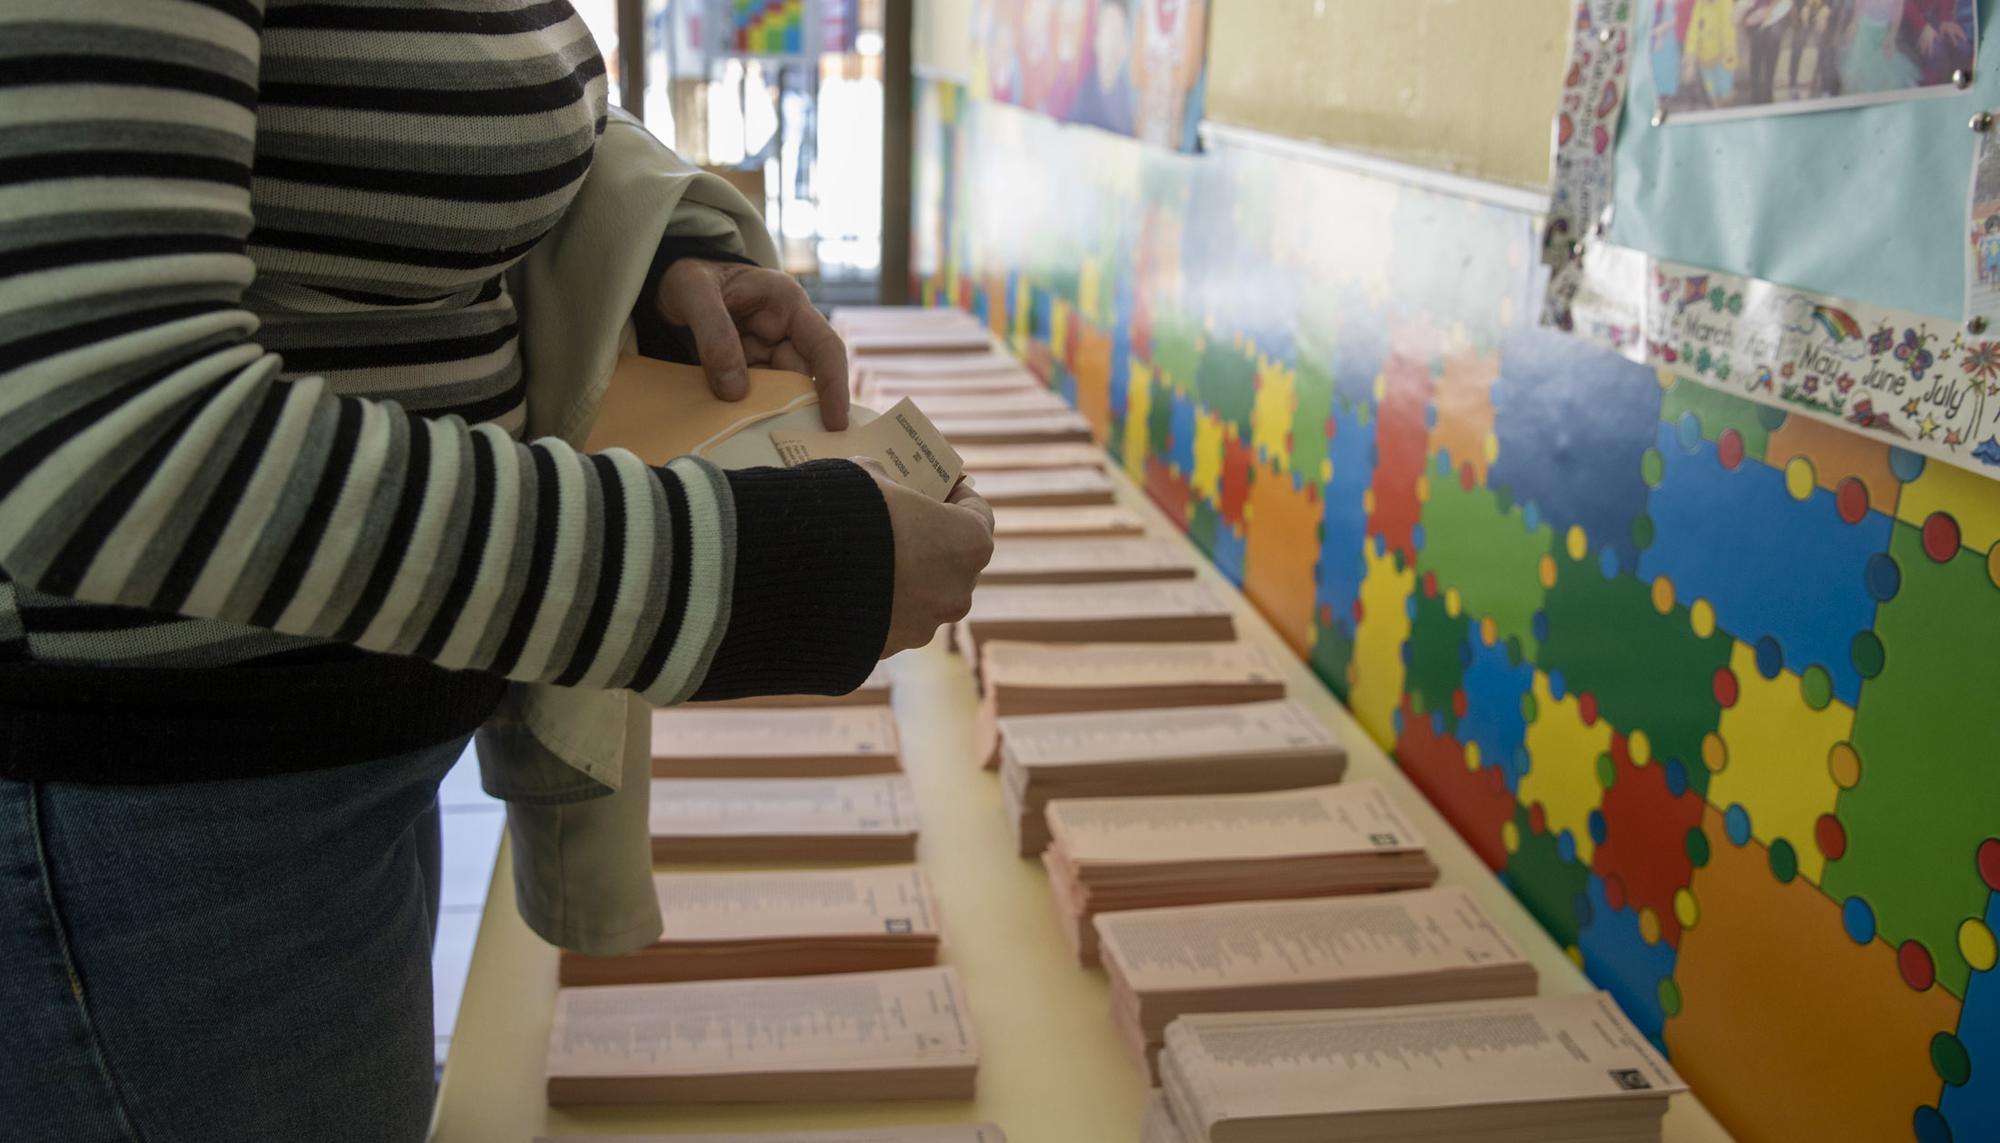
[1716, 59]
[1982, 250]
[764, 29]
[1135, 67]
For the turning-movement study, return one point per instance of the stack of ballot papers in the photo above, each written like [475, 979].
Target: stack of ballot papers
[1043, 487]
[1417, 947]
[865, 818]
[1093, 560]
[888, 329]
[1538, 1069]
[1015, 428]
[980, 1133]
[689, 742]
[1089, 520]
[941, 367]
[885, 388]
[1057, 678]
[803, 922]
[1156, 611]
[1110, 854]
[1007, 404]
[1240, 748]
[869, 1036]
[873, 691]
[1013, 458]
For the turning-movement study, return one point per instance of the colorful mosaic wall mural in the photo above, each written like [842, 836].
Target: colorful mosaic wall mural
[1716, 691]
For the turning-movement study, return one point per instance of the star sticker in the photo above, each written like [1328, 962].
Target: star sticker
[1929, 428]
[1911, 408]
[1952, 438]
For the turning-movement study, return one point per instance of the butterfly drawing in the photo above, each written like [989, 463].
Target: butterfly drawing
[1913, 355]
[1880, 341]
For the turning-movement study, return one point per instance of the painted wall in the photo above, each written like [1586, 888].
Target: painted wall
[1712, 689]
[1463, 85]
[942, 38]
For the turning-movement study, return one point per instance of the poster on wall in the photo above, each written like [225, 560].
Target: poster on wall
[1136, 67]
[1716, 59]
[1593, 97]
[1982, 251]
[764, 29]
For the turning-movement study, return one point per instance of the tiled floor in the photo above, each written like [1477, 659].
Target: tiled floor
[473, 823]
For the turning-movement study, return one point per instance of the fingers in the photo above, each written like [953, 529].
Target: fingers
[965, 496]
[717, 342]
[785, 356]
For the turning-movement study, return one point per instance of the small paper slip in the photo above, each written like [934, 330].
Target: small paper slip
[903, 439]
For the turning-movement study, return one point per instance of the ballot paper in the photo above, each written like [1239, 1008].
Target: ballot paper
[1046, 487]
[1077, 520]
[1015, 457]
[1219, 732]
[979, 1133]
[1353, 818]
[909, 446]
[1017, 428]
[1538, 1068]
[866, 818]
[691, 742]
[796, 922]
[863, 1036]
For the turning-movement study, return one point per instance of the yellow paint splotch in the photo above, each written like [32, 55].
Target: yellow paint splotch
[1562, 764]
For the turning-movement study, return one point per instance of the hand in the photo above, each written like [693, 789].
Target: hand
[1955, 33]
[746, 315]
[1927, 42]
[940, 551]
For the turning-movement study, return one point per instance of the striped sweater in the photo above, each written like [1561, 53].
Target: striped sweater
[260, 389]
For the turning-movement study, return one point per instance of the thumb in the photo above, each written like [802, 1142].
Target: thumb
[718, 344]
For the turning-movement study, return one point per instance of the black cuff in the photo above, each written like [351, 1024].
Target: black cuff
[815, 580]
[658, 339]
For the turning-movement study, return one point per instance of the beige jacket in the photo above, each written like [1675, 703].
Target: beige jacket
[574, 766]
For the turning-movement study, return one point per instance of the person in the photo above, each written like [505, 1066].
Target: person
[1936, 39]
[1708, 56]
[1872, 62]
[1764, 23]
[270, 548]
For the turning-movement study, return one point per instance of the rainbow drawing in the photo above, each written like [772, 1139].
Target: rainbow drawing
[1838, 324]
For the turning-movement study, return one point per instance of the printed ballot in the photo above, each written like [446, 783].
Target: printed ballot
[901, 1035]
[1155, 611]
[799, 922]
[1013, 458]
[1084, 520]
[1017, 428]
[1110, 854]
[1537, 1069]
[1242, 748]
[1046, 487]
[1416, 947]
[1096, 560]
[909, 446]
[867, 818]
[1055, 678]
[807, 743]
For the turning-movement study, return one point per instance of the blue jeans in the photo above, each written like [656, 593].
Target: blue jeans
[220, 961]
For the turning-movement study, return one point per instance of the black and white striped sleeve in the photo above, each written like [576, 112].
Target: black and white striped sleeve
[152, 455]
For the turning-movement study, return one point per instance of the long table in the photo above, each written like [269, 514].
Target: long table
[1052, 1069]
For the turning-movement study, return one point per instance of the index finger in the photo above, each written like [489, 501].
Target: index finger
[965, 496]
[827, 355]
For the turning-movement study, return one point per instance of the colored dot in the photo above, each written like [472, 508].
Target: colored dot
[1868, 655]
[1531, 515]
[1576, 542]
[1949, 1057]
[1649, 926]
[1468, 477]
[1663, 595]
[1830, 836]
[1817, 687]
[1472, 756]
[1670, 996]
[1677, 777]
[1586, 708]
[1652, 467]
[1989, 863]
[1574, 954]
[1430, 586]
[1729, 449]
[1639, 747]
[1844, 765]
[1423, 489]
[1688, 432]
[1557, 686]
[1489, 631]
[1736, 824]
[1858, 919]
[1714, 752]
[1687, 910]
[1977, 946]
[1725, 687]
[1905, 465]
[1528, 708]
[1607, 563]
[1784, 861]
[1913, 960]
[1491, 447]
[1800, 479]
[1566, 846]
[1940, 536]
[1851, 500]
[1547, 571]
[1771, 419]
[1538, 818]
[1584, 913]
[1368, 506]
[1597, 827]
[1614, 891]
[1701, 616]
[1538, 626]
[1326, 468]
[1607, 771]
[1884, 577]
[1510, 836]
[1458, 699]
[1697, 848]
[1452, 602]
[1993, 563]
[1930, 1126]
[1770, 657]
[1642, 531]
